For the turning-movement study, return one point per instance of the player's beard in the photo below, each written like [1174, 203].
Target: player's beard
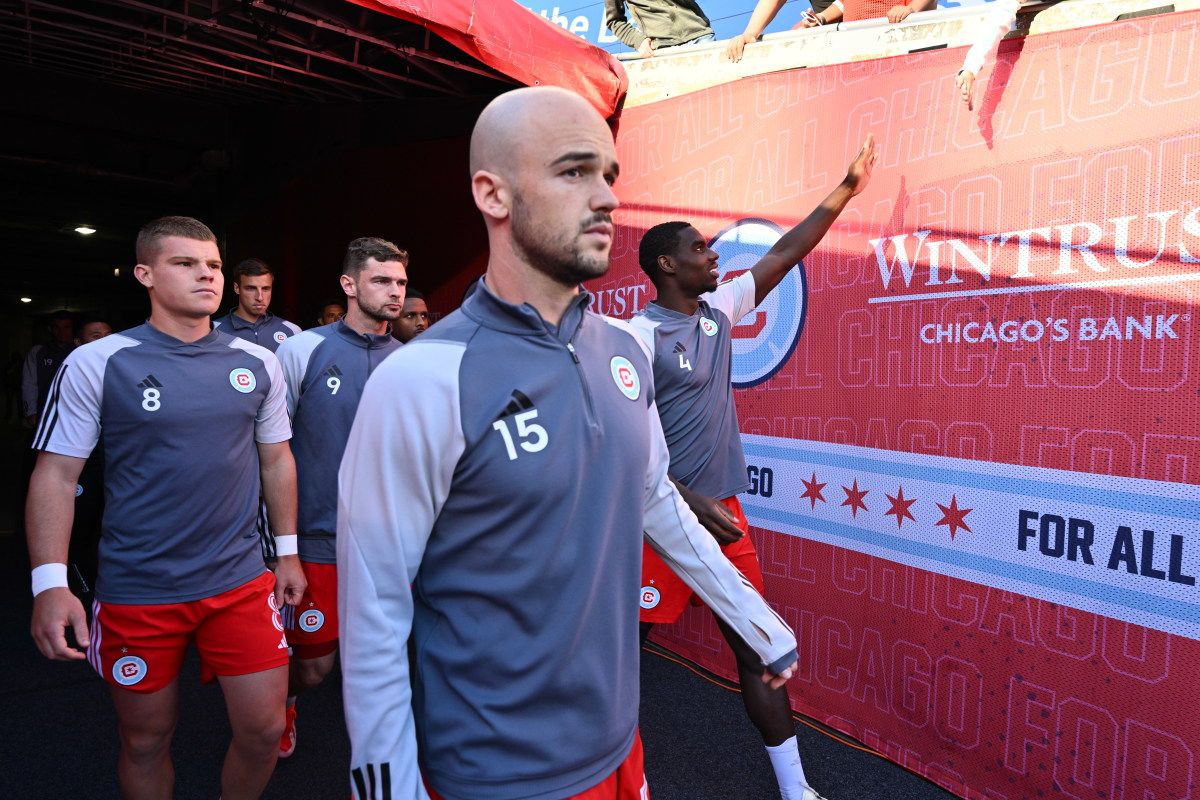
[377, 312]
[560, 257]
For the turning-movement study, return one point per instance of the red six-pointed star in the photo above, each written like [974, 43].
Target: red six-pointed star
[854, 498]
[812, 491]
[900, 507]
[954, 517]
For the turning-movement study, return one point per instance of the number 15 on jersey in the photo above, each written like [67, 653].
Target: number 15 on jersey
[533, 437]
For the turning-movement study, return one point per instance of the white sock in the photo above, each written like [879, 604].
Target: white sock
[785, 760]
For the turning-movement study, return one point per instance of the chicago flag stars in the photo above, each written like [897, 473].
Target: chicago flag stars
[854, 498]
[954, 517]
[900, 507]
[812, 491]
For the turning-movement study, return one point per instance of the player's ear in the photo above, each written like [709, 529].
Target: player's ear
[144, 275]
[665, 265]
[348, 286]
[492, 194]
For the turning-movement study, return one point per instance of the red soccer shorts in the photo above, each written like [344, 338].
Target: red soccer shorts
[141, 647]
[627, 782]
[312, 626]
[664, 596]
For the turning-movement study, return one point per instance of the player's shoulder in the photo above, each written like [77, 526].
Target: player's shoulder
[237, 343]
[434, 355]
[633, 328]
[303, 341]
[292, 327]
[100, 351]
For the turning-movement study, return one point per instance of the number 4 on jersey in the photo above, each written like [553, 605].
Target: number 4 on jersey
[533, 437]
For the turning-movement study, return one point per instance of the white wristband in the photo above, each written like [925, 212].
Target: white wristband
[48, 576]
[287, 545]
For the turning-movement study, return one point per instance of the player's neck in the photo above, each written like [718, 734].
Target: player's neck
[185, 329]
[521, 283]
[360, 323]
[670, 297]
[246, 315]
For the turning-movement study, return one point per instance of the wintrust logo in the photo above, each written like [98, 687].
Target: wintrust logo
[764, 339]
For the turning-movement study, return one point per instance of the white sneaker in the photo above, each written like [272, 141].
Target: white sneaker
[811, 794]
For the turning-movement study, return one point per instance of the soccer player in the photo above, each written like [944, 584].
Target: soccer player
[250, 319]
[326, 369]
[491, 524]
[331, 313]
[414, 320]
[42, 363]
[191, 419]
[91, 329]
[688, 329]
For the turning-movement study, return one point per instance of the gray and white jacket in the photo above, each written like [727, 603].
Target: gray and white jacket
[491, 524]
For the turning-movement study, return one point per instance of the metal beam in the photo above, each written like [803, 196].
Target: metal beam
[295, 37]
[152, 65]
[217, 28]
[161, 82]
[204, 46]
[398, 49]
[91, 33]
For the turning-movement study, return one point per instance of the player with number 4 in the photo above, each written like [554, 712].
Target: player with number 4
[326, 369]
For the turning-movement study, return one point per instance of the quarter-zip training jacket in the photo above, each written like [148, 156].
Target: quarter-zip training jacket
[493, 524]
[326, 369]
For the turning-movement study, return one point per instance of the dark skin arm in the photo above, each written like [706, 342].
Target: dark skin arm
[797, 243]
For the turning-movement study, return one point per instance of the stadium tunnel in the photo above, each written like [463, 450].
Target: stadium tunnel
[288, 127]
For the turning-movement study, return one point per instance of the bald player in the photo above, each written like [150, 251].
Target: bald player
[492, 523]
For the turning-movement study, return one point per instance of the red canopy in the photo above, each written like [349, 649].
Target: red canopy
[518, 43]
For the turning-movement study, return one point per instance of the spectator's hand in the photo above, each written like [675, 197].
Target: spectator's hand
[646, 48]
[898, 13]
[733, 51]
[859, 174]
[290, 582]
[809, 20]
[55, 610]
[966, 87]
[775, 681]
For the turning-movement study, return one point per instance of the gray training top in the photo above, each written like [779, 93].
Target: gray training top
[268, 331]
[326, 369]
[179, 423]
[492, 524]
[693, 355]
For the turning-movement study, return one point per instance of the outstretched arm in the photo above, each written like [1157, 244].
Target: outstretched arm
[764, 12]
[800, 240]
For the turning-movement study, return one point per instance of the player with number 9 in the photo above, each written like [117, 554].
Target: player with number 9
[326, 369]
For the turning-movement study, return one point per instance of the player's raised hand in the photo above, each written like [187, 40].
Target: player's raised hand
[859, 174]
[55, 610]
[775, 681]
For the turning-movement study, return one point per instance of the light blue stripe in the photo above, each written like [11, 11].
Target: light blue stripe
[874, 542]
[1139, 502]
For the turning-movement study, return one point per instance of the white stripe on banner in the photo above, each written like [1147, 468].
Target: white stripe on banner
[1126, 548]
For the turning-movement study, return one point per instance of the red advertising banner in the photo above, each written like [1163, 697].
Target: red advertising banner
[972, 415]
